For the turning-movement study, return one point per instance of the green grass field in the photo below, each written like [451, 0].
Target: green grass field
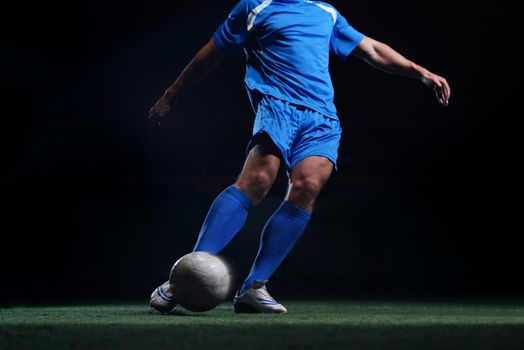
[308, 325]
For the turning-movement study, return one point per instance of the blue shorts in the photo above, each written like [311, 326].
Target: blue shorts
[297, 131]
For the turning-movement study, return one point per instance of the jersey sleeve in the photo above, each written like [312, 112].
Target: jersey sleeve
[344, 38]
[231, 35]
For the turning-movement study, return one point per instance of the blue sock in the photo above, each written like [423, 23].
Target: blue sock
[279, 235]
[225, 218]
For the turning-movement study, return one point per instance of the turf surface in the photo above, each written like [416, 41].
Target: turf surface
[308, 325]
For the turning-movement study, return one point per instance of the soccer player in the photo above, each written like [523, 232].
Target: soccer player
[287, 44]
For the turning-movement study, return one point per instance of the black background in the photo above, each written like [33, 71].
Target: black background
[98, 204]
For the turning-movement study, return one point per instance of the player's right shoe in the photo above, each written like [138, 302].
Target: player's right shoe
[162, 299]
[257, 300]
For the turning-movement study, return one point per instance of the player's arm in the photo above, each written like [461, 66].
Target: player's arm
[204, 62]
[383, 57]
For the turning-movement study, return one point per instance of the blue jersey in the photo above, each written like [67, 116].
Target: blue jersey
[287, 45]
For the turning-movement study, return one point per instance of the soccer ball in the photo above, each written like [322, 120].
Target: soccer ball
[199, 281]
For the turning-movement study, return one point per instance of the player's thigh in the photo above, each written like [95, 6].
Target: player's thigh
[262, 163]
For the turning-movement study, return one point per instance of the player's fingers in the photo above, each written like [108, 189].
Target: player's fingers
[447, 90]
[438, 93]
[153, 117]
[443, 96]
[437, 88]
[441, 90]
[444, 90]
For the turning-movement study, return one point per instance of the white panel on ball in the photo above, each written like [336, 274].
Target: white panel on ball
[199, 281]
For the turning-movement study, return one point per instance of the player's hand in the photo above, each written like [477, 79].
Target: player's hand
[440, 86]
[160, 111]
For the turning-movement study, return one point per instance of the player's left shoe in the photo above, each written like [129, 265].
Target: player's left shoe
[257, 300]
[162, 299]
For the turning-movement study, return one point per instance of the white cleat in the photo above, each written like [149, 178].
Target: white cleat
[162, 299]
[257, 300]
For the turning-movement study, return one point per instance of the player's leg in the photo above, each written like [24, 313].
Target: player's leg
[260, 169]
[310, 160]
[289, 221]
[281, 233]
[229, 211]
[307, 179]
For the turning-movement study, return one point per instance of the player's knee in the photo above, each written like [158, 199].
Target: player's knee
[260, 181]
[307, 188]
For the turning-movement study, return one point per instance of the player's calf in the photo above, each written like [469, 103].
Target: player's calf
[255, 184]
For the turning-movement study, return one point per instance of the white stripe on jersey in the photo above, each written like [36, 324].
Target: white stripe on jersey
[331, 10]
[253, 15]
